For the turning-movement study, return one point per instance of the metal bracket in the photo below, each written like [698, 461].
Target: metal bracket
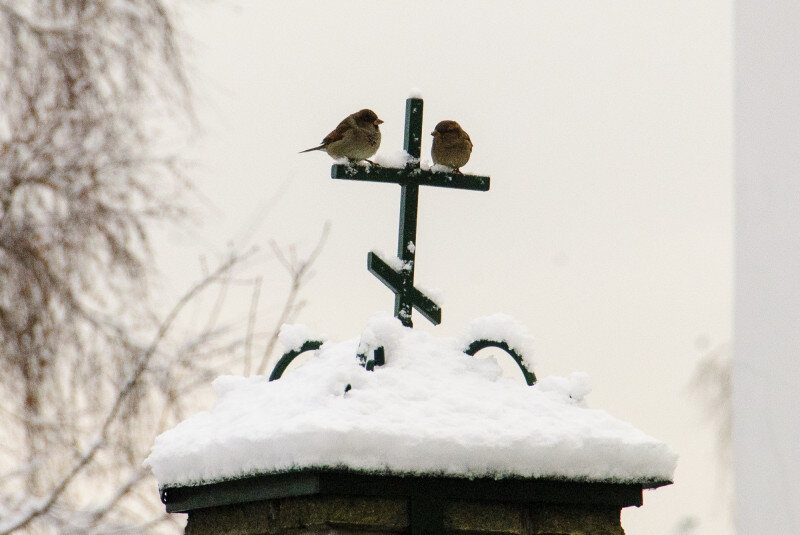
[378, 359]
[477, 345]
[289, 356]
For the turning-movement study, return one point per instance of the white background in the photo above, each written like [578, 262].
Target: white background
[606, 129]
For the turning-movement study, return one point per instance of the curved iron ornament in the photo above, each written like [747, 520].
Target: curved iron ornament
[379, 357]
[477, 345]
[289, 356]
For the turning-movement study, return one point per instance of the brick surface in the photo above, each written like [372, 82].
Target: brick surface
[378, 516]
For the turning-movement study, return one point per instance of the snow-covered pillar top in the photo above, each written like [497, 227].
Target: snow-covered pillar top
[400, 278]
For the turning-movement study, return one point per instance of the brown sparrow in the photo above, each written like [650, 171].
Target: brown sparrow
[356, 138]
[451, 145]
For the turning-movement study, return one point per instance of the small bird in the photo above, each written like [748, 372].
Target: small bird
[451, 145]
[356, 138]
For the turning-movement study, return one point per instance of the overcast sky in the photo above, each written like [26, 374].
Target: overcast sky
[606, 130]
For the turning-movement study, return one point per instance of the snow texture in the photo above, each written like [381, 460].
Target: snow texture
[435, 294]
[396, 160]
[292, 337]
[392, 261]
[501, 328]
[430, 409]
[415, 93]
[439, 168]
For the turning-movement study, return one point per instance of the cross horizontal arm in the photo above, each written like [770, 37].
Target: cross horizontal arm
[410, 176]
[393, 280]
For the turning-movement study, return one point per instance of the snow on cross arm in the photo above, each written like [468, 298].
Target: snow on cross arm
[396, 160]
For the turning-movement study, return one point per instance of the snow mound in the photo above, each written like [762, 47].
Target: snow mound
[431, 409]
[397, 159]
[293, 336]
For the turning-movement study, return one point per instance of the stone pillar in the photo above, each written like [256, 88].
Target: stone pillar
[353, 515]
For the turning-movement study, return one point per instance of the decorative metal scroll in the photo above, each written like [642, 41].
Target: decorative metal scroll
[477, 345]
[377, 357]
[289, 356]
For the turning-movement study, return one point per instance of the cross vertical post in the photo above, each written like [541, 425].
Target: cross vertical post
[409, 201]
[400, 278]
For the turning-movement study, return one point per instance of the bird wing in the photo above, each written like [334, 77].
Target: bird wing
[339, 131]
[336, 135]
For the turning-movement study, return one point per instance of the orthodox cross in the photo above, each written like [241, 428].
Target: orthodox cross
[410, 178]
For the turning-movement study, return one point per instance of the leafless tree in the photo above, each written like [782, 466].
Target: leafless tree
[712, 384]
[89, 374]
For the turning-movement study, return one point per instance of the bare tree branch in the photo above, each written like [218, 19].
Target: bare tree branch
[299, 271]
[90, 372]
[124, 392]
[251, 322]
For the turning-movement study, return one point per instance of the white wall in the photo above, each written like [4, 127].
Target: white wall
[767, 310]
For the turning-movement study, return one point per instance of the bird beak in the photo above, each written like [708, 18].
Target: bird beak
[434, 133]
[377, 122]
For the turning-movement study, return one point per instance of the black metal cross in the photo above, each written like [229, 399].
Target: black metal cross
[401, 282]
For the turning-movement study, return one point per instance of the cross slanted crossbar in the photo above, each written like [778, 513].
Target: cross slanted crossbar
[410, 178]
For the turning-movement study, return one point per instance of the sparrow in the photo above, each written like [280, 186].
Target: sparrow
[356, 138]
[451, 145]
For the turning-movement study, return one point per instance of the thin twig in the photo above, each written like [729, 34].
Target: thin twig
[298, 271]
[122, 397]
[251, 321]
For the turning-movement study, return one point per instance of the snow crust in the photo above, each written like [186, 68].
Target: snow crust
[397, 159]
[440, 168]
[293, 336]
[415, 92]
[501, 328]
[430, 409]
[392, 261]
[434, 293]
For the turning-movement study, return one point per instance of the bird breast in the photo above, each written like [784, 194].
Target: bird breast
[358, 143]
[451, 150]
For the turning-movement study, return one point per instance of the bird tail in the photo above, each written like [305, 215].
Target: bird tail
[321, 147]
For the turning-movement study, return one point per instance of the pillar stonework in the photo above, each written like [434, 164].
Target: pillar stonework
[379, 516]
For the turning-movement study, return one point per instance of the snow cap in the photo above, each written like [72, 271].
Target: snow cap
[431, 409]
